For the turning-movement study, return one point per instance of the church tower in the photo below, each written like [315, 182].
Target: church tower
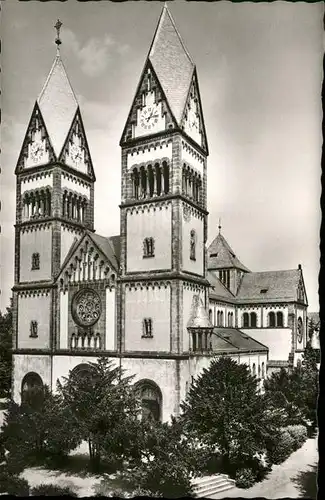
[164, 202]
[54, 205]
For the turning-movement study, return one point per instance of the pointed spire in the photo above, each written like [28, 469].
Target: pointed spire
[221, 255]
[57, 101]
[171, 62]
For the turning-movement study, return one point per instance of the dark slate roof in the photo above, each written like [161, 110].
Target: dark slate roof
[172, 63]
[277, 286]
[218, 290]
[221, 255]
[110, 246]
[236, 339]
[199, 317]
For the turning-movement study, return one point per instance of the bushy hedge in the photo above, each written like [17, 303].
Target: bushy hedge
[283, 448]
[17, 486]
[245, 478]
[298, 433]
[52, 490]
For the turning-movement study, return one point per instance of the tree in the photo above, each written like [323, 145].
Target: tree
[296, 391]
[225, 410]
[104, 405]
[5, 352]
[167, 460]
[40, 428]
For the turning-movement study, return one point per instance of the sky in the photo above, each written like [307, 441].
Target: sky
[260, 74]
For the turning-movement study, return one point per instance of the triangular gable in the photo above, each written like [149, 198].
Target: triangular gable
[79, 248]
[75, 152]
[157, 94]
[301, 286]
[194, 105]
[37, 148]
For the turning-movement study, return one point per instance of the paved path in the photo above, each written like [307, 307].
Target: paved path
[280, 481]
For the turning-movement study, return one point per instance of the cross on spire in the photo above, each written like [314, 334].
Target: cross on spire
[219, 227]
[58, 42]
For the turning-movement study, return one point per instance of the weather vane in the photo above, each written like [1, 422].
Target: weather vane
[57, 26]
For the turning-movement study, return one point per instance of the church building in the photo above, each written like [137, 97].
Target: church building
[155, 299]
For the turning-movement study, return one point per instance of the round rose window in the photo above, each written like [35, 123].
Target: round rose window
[86, 307]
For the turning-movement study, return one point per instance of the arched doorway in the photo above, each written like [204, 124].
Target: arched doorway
[31, 385]
[151, 399]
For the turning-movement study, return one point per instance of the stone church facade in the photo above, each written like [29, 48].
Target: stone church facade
[153, 299]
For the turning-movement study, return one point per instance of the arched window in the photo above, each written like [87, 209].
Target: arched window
[271, 319]
[263, 369]
[210, 316]
[84, 370]
[218, 318]
[35, 261]
[151, 399]
[245, 320]
[254, 369]
[221, 319]
[33, 329]
[31, 384]
[148, 247]
[253, 320]
[279, 318]
[193, 245]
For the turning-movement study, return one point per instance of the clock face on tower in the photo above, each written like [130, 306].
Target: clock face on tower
[149, 117]
[76, 153]
[36, 151]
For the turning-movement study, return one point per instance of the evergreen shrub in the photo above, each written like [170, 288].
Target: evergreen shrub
[245, 478]
[52, 490]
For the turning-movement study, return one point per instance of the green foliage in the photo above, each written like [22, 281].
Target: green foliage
[104, 405]
[5, 353]
[225, 409]
[52, 490]
[40, 427]
[167, 461]
[17, 486]
[245, 478]
[299, 434]
[296, 391]
[282, 449]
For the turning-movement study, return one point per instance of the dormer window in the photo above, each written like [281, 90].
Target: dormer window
[35, 261]
[148, 247]
[147, 328]
[264, 290]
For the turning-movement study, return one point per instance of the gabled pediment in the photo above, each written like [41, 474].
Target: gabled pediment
[37, 148]
[89, 260]
[301, 290]
[192, 121]
[150, 112]
[75, 152]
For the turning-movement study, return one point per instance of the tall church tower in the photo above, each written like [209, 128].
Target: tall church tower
[164, 202]
[54, 205]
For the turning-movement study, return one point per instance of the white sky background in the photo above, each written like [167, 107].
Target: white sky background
[260, 75]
